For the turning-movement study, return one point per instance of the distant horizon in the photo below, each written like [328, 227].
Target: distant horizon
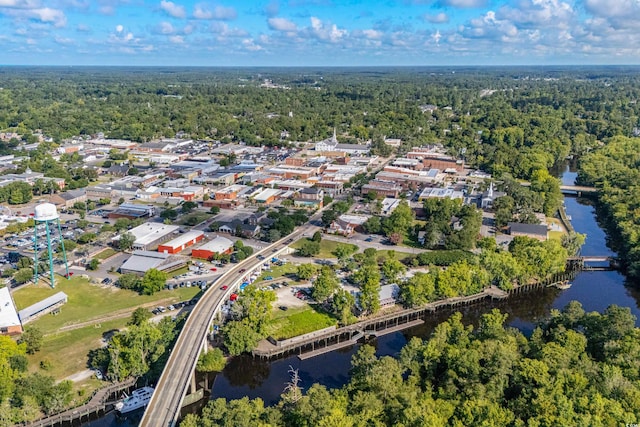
[323, 66]
[311, 33]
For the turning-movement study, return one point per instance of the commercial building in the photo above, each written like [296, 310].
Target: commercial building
[219, 245]
[132, 211]
[440, 193]
[181, 242]
[266, 196]
[150, 234]
[347, 224]
[142, 261]
[381, 188]
[9, 320]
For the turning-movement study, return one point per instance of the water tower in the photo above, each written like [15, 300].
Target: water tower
[47, 215]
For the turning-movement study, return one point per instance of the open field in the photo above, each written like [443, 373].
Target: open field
[326, 247]
[277, 272]
[298, 321]
[88, 302]
[66, 352]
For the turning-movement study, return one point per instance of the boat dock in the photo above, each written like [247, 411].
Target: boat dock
[329, 339]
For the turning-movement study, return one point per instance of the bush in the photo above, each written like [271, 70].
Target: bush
[441, 258]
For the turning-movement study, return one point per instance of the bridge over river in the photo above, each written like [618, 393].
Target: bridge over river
[178, 377]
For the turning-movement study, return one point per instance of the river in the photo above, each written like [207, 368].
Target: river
[596, 290]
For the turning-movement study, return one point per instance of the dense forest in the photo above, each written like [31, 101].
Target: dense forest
[576, 369]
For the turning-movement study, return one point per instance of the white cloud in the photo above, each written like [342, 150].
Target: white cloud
[372, 34]
[165, 28]
[282, 24]
[20, 4]
[219, 13]
[223, 30]
[250, 45]
[173, 9]
[63, 40]
[83, 28]
[439, 18]
[176, 39]
[42, 14]
[326, 32]
[613, 8]
[119, 28]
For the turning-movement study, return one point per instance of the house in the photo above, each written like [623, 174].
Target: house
[535, 231]
[217, 246]
[118, 170]
[9, 321]
[236, 226]
[346, 225]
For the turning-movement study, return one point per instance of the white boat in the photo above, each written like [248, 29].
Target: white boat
[138, 399]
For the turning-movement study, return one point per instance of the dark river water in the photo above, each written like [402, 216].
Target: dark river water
[245, 376]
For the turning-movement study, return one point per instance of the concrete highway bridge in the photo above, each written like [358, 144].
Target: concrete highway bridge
[178, 377]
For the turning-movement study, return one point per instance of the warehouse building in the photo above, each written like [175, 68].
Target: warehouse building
[219, 245]
[150, 234]
[181, 242]
[142, 261]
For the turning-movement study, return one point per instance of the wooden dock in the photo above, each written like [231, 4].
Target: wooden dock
[100, 403]
[317, 343]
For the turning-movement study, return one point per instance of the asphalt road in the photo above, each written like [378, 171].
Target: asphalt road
[164, 408]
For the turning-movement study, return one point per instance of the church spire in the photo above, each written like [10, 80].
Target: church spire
[334, 138]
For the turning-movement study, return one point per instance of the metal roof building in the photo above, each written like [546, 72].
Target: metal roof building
[45, 306]
[142, 261]
[149, 234]
[219, 245]
[181, 242]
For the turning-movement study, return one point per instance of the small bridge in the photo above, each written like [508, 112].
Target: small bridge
[578, 190]
[593, 263]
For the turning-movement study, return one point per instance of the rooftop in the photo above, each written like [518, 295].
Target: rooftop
[8, 313]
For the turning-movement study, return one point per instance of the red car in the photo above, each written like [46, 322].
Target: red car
[69, 275]
[233, 297]
[214, 269]
[224, 288]
[242, 271]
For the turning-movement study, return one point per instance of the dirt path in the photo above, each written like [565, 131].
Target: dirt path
[80, 376]
[120, 314]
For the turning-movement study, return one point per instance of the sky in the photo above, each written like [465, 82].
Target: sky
[319, 32]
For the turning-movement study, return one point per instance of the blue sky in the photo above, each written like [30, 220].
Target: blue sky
[319, 32]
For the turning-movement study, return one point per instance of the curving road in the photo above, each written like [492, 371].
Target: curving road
[164, 407]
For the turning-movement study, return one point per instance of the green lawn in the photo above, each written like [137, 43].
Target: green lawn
[194, 218]
[278, 271]
[87, 302]
[294, 322]
[326, 247]
[67, 351]
[106, 254]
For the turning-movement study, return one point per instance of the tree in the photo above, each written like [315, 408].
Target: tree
[309, 248]
[373, 225]
[23, 276]
[343, 251]
[139, 316]
[129, 281]
[188, 207]
[325, 284]
[342, 305]
[93, 264]
[572, 242]
[32, 338]
[126, 241]
[328, 216]
[273, 235]
[400, 220]
[170, 214]
[215, 210]
[392, 268]
[239, 337]
[306, 271]
[395, 238]
[153, 281]
[211, 361]
[317, 237]
[87, 238]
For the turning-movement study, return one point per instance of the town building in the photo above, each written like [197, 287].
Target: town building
[217, 246]
[9, 321]
[132, 211]
[310, 198]
[440, 193]
[246, 228]
[69, 198]
[150, 234]
[181, 242]
[382, 188]
[266, 196]
[332, 145]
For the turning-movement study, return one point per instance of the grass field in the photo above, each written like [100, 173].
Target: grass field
[194, 218]
[326, 247]
[87, 302]
[278, 271]
[294, 322]
[106, 254]
[67, 351]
